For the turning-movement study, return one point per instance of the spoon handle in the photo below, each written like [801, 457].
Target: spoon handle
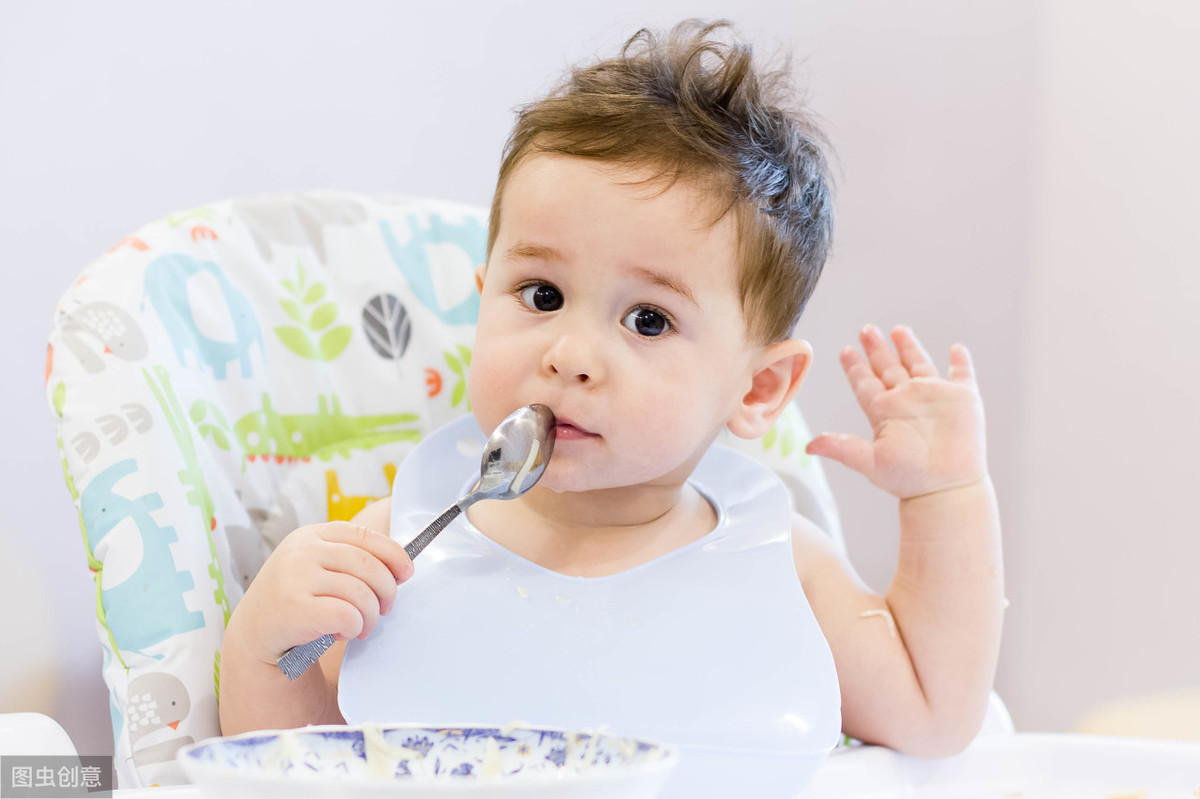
[422, 539]
[297, 660]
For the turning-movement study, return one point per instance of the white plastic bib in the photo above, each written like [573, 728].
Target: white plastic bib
[711, 647]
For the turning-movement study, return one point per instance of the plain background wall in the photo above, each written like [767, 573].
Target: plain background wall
[1019, 176]
[1109, 428]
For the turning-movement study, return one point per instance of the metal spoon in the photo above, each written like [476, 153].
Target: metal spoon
[514, 458]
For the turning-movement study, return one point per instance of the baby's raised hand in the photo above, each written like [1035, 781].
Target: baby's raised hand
[928, 430]
[334, 578]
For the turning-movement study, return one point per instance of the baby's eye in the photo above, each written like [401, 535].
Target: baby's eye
[542, 297]
[646, 322]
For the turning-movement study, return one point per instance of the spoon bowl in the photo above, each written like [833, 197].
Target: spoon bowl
[516, 454]
[514, 457]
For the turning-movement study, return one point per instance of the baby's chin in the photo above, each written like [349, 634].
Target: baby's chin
[568, 485]
[586, 481]
[573, 479]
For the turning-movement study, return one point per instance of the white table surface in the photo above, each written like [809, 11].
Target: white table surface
[1029, 765]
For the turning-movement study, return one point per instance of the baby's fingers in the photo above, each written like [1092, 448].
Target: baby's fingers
[364, 567]
[850, 451]
[863, 380]
[344, 607]
[962, 368]
[914, 357]
[884, 361]
[390, 553]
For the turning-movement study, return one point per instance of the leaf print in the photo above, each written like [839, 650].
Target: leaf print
[209, 421]
[314, 294]
[322, 316]
[201, 407]
[292, 309]
[386, 323]
[218, 436]
[790, 434]
[459, 367]
[297, 341]
[333, 342]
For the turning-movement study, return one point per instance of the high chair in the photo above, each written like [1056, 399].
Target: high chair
[33, 734]
[234, 371]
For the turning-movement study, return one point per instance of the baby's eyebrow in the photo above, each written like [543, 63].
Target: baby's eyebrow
[666, 281]
[528, 251]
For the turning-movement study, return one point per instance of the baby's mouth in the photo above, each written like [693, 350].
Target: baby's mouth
[566, 430]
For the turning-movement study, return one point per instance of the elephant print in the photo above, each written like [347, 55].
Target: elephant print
[166, 285]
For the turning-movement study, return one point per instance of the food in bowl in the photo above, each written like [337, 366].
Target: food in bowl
[417, 760]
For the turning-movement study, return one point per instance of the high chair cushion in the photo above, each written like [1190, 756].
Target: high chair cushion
[232, 372]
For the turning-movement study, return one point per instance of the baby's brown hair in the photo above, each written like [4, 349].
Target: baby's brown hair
[692, 107]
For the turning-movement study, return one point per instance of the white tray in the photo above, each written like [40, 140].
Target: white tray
[1020, 766]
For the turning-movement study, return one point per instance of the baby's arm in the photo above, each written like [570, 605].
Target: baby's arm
[916, 665]
[337, 578]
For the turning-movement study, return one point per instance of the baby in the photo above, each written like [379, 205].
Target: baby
[658, 224]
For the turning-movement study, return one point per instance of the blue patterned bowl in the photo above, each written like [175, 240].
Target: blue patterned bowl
[412, 760]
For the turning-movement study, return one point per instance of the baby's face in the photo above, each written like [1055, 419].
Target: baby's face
[616, 306]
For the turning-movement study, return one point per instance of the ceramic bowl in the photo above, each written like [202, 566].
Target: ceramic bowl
[412, 760]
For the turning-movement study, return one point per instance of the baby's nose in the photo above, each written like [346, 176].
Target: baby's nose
[574, 357]
[582, 377]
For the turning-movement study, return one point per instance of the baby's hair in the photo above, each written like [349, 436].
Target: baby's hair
[692, 107]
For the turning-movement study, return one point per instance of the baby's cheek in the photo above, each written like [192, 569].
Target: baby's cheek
[661, 435]
[483, 393]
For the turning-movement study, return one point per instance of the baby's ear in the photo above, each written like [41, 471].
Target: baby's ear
[480, 271]
[778, 372]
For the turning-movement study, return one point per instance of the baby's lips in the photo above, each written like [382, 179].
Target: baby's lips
[567, 425]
